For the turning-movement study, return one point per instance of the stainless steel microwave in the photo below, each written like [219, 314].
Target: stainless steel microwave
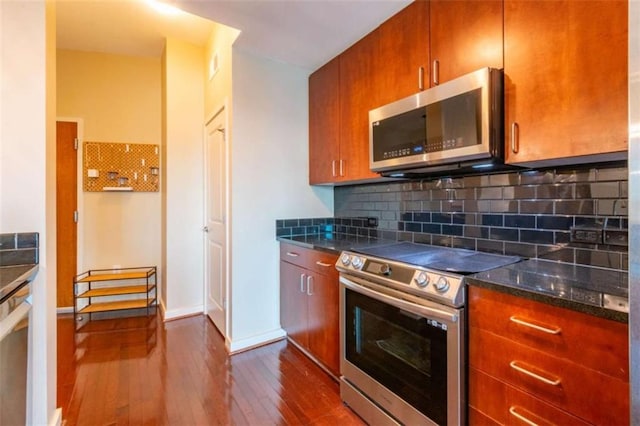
[456, 125]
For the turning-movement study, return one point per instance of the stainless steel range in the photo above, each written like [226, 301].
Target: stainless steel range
[402, 331]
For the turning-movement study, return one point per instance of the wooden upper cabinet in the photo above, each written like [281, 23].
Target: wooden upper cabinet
[358, 95]
[402, 60]
[324, 124]
[465, 36]
[565, 80]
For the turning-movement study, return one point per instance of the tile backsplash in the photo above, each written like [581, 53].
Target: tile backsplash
[19, 249]
[526, 213]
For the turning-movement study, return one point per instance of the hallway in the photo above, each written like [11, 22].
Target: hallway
[143, 371]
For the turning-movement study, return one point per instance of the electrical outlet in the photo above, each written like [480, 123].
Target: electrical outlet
[616, 237]
[586, 235]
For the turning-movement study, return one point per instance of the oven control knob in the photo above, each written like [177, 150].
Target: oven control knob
[442, 284]
[357, 262]
[422, 280]
[345, 259]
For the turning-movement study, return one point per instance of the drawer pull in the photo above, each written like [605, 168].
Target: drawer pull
[514, 413]
[292, 254]
[326, 265]
[302, 283]
[515, 366]
[555, 330]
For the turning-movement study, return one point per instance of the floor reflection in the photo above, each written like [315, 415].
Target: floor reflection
[144, 371]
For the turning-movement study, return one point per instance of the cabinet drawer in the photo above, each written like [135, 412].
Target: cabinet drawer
[586, 393]
[314, 260]
[594, 342]
[322, 262]
[495, 400]
[294, 254]
[476, 418]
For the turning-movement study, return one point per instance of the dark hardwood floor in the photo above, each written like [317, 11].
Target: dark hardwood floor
[141, 371]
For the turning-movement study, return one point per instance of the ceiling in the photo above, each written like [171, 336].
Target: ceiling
[305, 33]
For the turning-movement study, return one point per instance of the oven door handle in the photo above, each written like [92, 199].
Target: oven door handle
[423, 311]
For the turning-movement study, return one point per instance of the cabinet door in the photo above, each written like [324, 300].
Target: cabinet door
[324, 328]
[403, 50]
[324, 130]
[566, 72]
[358, 95]
[293, 302]
[465, 36]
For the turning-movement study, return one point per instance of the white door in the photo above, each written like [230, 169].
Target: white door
[215, 216]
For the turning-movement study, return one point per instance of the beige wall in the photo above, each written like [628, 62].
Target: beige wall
[51, 248]
[119, 100]
[182, 145]
[218, 88]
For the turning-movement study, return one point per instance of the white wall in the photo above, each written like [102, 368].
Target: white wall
[27, 70]
[183, 172]
[269, 175]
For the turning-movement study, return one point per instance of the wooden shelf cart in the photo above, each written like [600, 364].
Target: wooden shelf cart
[105, 290]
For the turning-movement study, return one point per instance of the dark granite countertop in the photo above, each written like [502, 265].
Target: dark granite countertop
[595, 291]
[12, 276]
[333, 242]
[590, 290]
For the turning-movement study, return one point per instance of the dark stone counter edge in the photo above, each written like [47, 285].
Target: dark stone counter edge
[29, 275]
[326, 245]
[311, 246]
[549, 300]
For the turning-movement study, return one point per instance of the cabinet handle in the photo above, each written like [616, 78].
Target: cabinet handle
[309, 285]
[323, 264]
[515, 137]
[420, 78]
[515, 366]
[514, 413]
[292, 254]
[554, 330]
[341, 167]
[435, 72]
[333, 168]
[301, 283]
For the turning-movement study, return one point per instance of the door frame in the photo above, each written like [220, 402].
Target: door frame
[79, 199]
[223, 108]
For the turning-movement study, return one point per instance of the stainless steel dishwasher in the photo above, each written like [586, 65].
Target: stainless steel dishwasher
[15, 308]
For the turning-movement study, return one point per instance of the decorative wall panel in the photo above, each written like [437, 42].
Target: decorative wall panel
[112, 166]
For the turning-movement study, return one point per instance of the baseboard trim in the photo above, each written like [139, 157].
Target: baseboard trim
[241, 345]
[163, 309]
[174, 314]
[56, 418]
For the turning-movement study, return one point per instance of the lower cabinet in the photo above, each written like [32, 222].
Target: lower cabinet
[533, 363]
[309, 304]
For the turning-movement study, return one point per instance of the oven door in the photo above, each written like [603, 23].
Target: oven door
[403, 353]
